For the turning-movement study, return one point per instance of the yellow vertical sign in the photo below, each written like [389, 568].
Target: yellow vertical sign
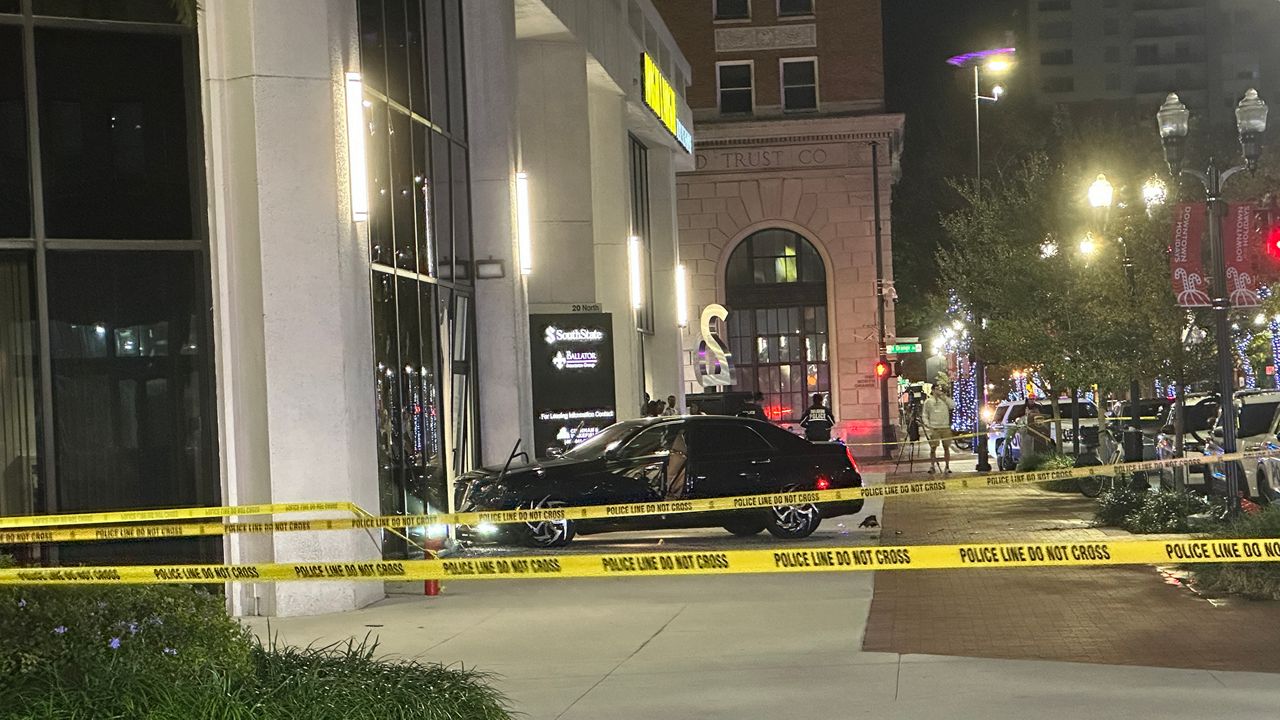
[661, 99]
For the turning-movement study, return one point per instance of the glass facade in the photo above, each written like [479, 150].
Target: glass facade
[776, 290]
[420, 254]
[106, 382]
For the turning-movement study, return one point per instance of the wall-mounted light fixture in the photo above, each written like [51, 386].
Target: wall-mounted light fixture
[357, 168]
[524, 224]
[635, 267]
[682, 297]
[489, 269]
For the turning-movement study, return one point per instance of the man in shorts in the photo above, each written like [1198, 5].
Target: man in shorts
[937, 425]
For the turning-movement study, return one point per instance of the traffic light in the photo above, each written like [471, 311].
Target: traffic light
[1271, 241]
[882, 369]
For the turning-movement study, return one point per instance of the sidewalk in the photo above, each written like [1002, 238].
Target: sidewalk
[743, 647]
[1120, 615]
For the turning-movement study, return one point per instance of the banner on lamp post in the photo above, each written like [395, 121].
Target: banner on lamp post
[1241, 245]
[1184, 255]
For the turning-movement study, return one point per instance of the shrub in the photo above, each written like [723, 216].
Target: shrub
[1164, 511]
[1118, 502]
[171, 653]
[1258, 581]
[1045, 461]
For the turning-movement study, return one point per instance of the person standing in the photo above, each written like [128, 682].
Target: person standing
[671, 410]
[754, 409]
[818, 420]
[937, 425]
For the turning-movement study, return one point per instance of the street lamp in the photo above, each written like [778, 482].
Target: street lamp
[1087, 246]
[1174, 120]
[995, 61]
[1101, 195]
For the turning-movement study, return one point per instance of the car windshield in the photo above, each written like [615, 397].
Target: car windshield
[603, 441]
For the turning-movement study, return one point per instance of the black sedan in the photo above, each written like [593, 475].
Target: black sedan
[672, 458]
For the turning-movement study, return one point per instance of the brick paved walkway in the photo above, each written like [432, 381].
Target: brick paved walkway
[1122, 615]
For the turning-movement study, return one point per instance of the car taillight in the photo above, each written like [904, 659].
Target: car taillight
[849, 454]
[823, 483]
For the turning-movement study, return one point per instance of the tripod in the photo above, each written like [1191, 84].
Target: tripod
[910, 419]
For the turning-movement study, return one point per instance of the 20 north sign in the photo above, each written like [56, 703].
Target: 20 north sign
[572, 370]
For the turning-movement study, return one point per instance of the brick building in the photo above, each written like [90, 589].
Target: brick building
[777, 220]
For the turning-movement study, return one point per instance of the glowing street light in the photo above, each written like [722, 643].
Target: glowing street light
[1101, 193]
[1087, 245]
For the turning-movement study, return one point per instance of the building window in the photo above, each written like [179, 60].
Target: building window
[1057, 30]
[125, 417]
[792, 8]
[776, 290]
[1059, 84]
[420, 270]
[1112, 54]
[640, 228]
[1054, 5]
[1057, 57]
[733, 82]
[799, 84]
[733, 9]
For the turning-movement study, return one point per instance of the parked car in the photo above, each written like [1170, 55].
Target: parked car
[1257, 425]
[631, 462]
[1004, 441]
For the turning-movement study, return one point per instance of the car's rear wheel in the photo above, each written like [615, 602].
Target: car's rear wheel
[548, 533]
[745, 528]
[792, 522]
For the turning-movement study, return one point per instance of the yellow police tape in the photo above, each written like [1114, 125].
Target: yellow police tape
[118, 516]
[910, 557]
[52, 533]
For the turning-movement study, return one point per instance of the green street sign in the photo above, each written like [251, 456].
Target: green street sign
[903, 348]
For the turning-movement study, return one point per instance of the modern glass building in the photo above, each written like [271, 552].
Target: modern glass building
[293, 251]
[106, 373]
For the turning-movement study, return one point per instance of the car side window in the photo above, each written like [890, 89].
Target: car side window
[652, 441]
[709, 439]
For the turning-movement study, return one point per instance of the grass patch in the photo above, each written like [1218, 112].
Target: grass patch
[1257, 581]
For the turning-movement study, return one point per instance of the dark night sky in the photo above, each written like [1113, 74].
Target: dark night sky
[919, 35]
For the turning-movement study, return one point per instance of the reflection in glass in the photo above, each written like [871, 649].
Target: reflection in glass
[129, 415]
[113, 134]
[19, 405]
[15, 186]
[159, 11]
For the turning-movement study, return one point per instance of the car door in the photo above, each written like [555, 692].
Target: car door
[636, 471]
[728, 458]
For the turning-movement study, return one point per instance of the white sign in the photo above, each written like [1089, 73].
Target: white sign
[570, 360]
[556, 335]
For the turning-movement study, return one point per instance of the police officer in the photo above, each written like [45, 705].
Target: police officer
[818, 420]
[754, 409]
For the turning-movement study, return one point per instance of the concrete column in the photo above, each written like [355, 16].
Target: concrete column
[611, 211]
[502, 310]
[664, 365]
[555, 150]
[291, 286]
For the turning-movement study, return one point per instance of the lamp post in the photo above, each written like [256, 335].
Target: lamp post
[1174, 120]
[996, 61]
[1101, 194]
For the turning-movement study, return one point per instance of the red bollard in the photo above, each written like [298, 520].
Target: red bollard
[431, 588]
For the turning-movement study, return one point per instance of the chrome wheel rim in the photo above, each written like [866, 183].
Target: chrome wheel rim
[794, 518]
[547, 532]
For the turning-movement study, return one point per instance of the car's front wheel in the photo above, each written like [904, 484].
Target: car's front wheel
[792, 522]
[548, 533]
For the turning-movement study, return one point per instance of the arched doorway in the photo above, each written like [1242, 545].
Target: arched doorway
[776, 291]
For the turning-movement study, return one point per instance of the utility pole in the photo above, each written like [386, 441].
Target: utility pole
[885, 428]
